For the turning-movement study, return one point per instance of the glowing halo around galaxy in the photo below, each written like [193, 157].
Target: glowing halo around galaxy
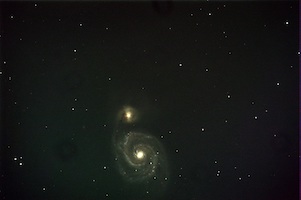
[128, 114]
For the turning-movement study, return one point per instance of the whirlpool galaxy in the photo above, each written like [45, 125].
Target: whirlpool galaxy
[140, 156]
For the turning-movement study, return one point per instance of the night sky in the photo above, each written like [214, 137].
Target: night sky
[149, 100]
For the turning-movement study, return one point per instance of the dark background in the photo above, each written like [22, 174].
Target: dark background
[215, 82]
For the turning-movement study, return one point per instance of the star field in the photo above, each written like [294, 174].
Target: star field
[149, 100]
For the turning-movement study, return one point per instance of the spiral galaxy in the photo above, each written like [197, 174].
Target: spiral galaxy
[139, 155]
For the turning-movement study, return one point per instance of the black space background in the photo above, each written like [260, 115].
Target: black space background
[219, 90]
